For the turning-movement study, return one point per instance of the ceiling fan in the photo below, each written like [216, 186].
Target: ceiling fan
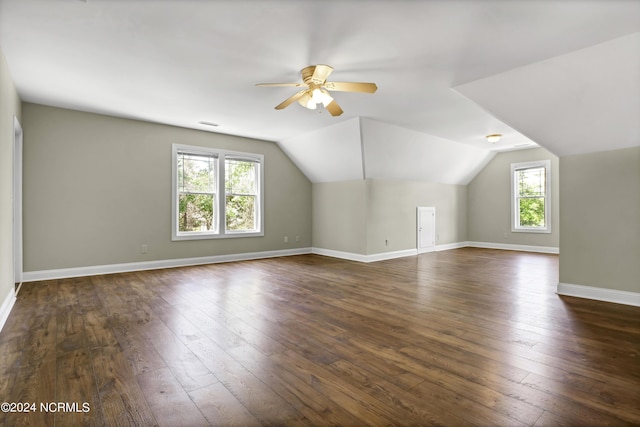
[317, 89]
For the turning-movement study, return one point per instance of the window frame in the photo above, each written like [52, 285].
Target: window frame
[220, 231]
[515, 197]
[226, 194]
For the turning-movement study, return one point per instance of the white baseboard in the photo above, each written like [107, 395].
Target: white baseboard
[62, 273]
[391, 255]
[511, 247]
[363, 258]
[599, 294]
[6, 307]
[449, 246]
[339, 254]
[384, 255]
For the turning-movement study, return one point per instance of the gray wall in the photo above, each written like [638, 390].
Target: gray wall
[339, 216]
[97, 187]
[9, 107]
[391, 213]
[371, 216]
[600, 223]
[489, 201]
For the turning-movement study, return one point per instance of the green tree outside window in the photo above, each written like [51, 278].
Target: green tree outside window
[531, 196]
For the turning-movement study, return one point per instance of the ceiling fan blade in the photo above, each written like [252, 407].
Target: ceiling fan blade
[334, 109]
[321, 73]
[351, 87]
[290, 100]
[281, 84]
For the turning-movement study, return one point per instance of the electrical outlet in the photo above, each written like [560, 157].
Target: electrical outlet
[286, 239]
[143, 249]
[297, 238]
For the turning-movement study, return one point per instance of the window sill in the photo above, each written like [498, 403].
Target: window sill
[205, 236]
[531, 230]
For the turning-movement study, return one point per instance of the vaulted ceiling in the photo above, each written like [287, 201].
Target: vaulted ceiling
[563, 74]
[584, 101]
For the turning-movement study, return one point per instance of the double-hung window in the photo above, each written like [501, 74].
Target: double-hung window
[216, 193]
[241, 192]
[197, 192]
[530, 197]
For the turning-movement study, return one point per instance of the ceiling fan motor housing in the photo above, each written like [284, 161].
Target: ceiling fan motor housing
[307, 74]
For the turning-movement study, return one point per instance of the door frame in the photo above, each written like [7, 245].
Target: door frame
[17, 151]
[420, 209]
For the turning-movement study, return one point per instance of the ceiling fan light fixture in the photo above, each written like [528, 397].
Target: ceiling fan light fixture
[326, 98]
[310, 99]
[305, 99]
[316, 96]
[494, 137]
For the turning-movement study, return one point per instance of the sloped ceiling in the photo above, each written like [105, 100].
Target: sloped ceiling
[392, 152]
[181, 62]
[333, 153]
[580, 102]
[363, 148]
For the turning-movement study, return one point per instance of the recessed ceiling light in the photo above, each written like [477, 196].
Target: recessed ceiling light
[494, 137]
[208, 123]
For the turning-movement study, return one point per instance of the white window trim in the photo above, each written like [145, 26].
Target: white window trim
[515, 228]
[221, 232]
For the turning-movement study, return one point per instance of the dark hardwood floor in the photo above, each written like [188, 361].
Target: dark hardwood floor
[462, 337]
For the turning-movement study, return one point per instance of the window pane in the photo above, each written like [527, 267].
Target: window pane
[196, 174]
[531, 182]
[532, 212]
[196, 212]
[240, 177]
[241, 213]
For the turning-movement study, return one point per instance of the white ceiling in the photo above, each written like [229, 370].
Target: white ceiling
[584, 101]
[362, 148]
[180, 62]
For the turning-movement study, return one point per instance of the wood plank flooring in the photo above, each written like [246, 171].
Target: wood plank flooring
[462, 337]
